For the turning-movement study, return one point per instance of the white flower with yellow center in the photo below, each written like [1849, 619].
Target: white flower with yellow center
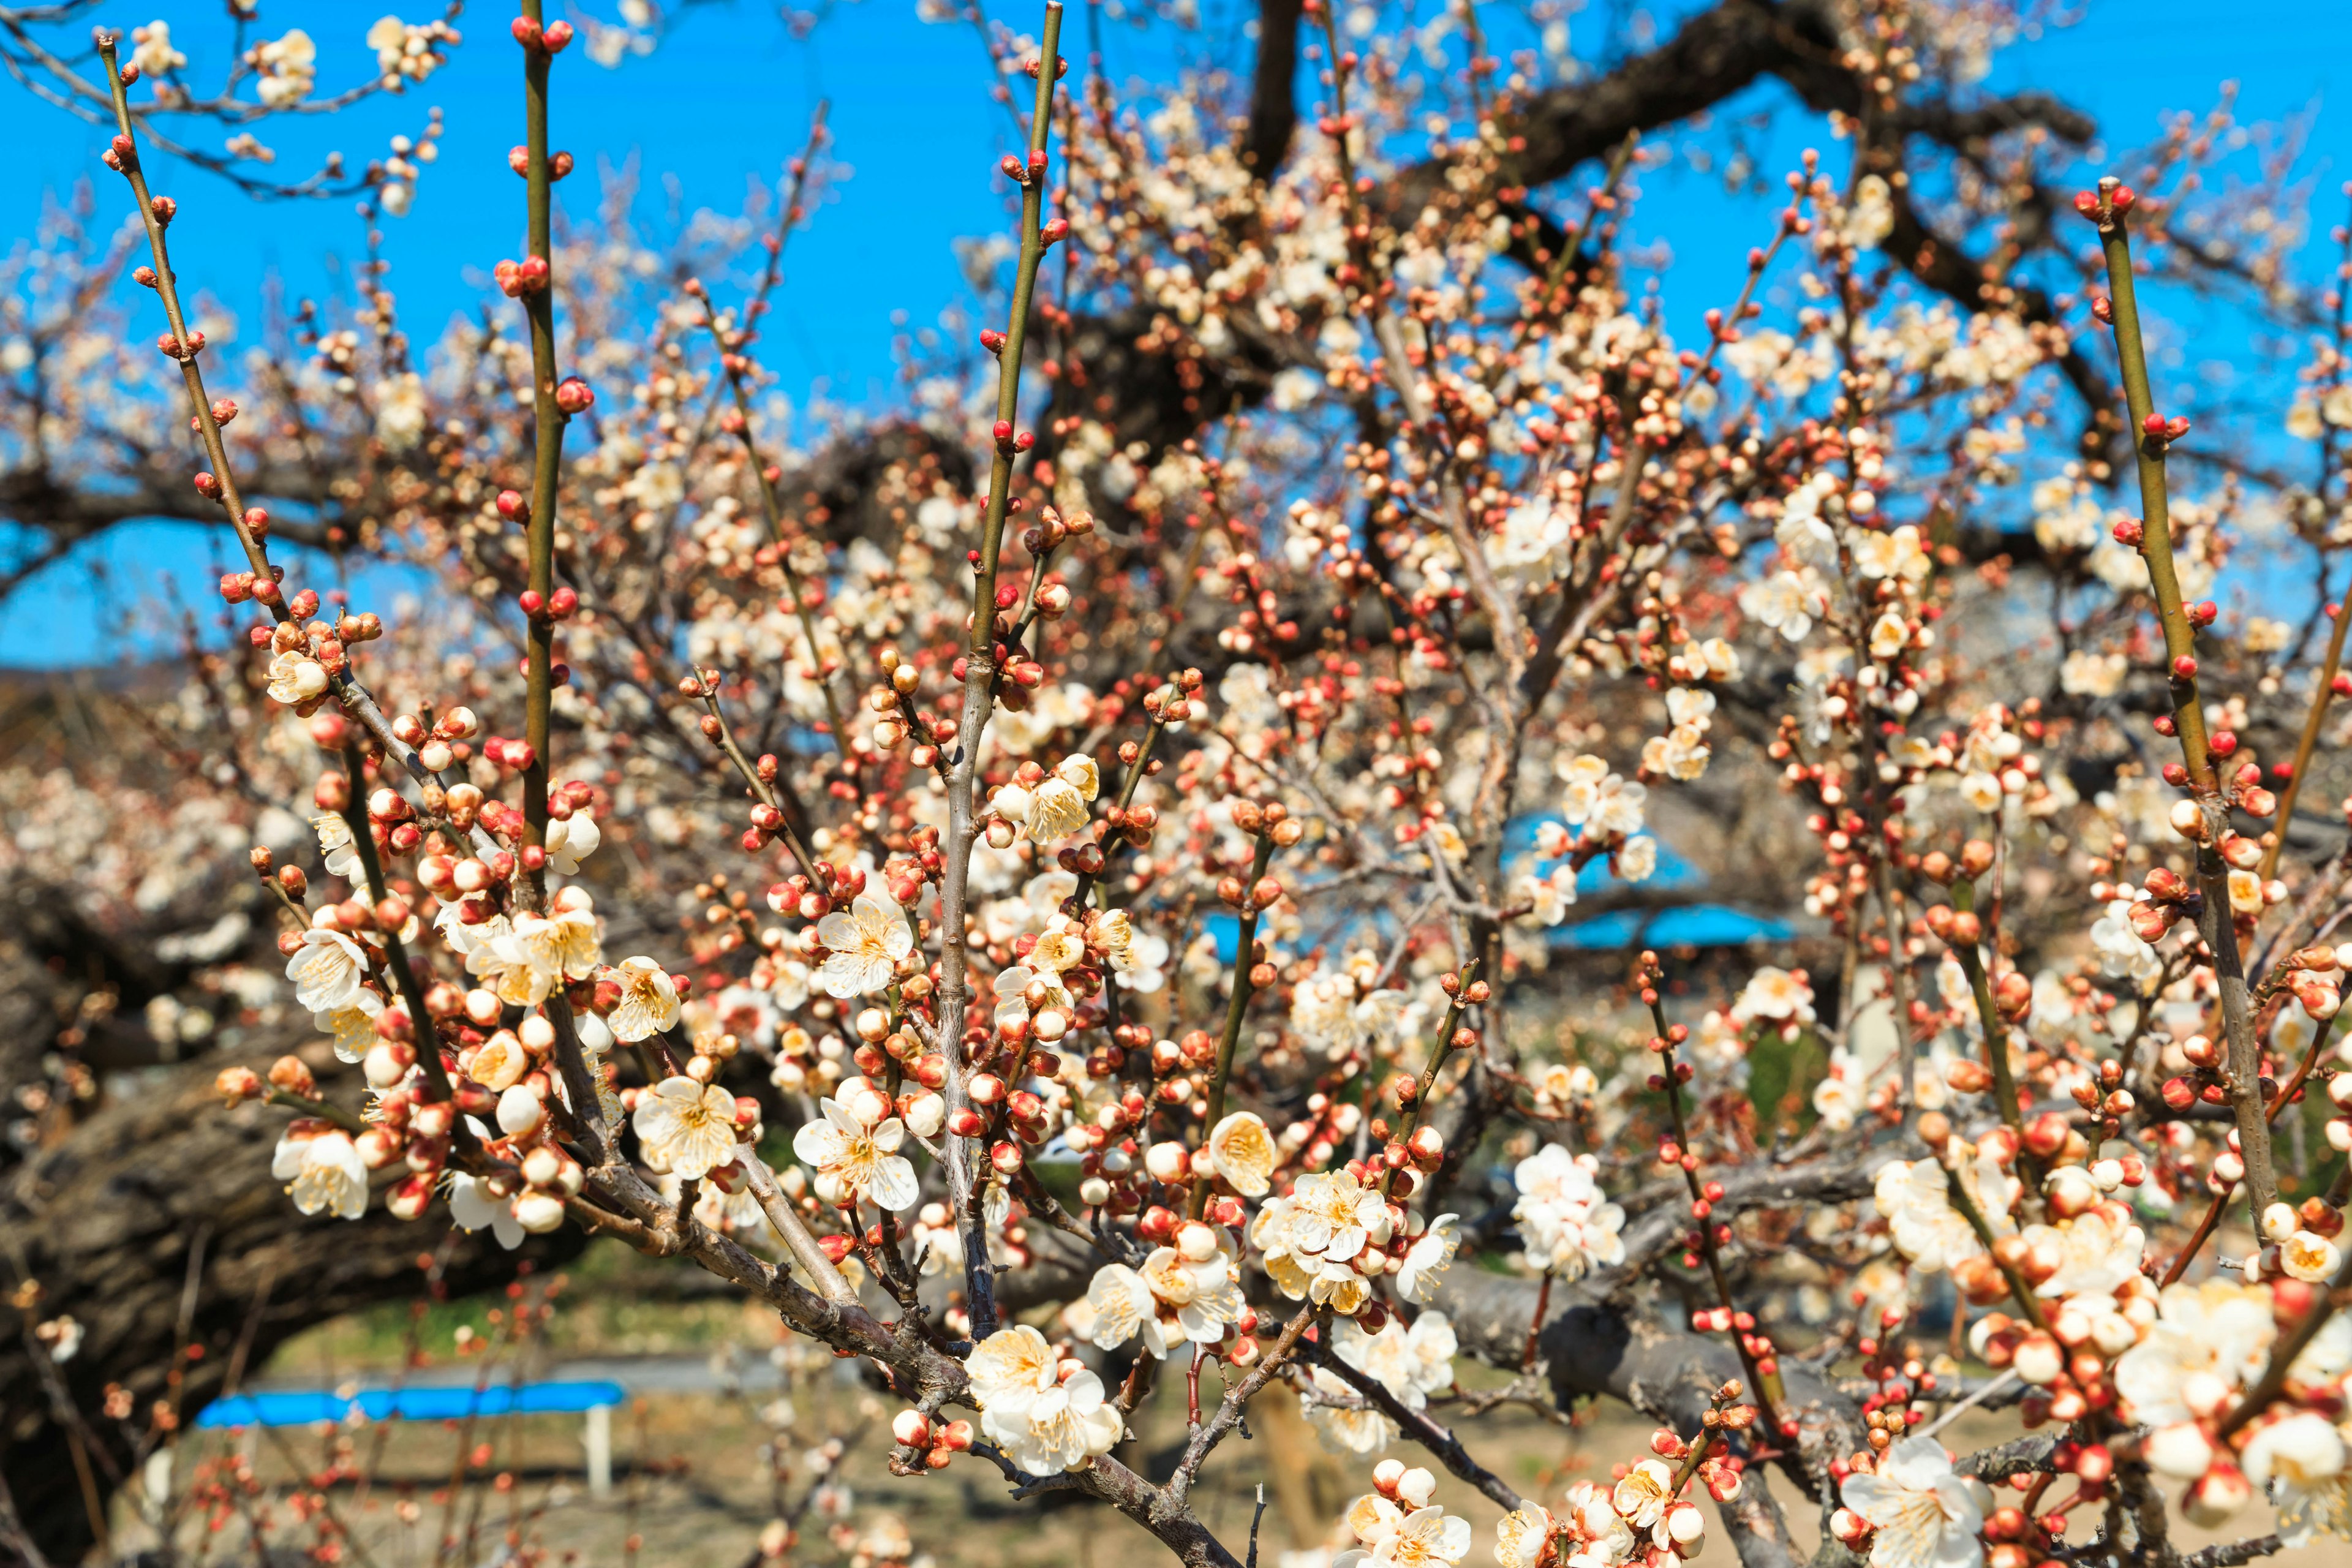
[854, 1150]
[336, 850]
[863, 944]
[686, 1129]
[1567, 1223]
[328, 971]
[1602, 1537]
[1121, 1307]
[2208, 1341]
[1010, 1369]
[1242, 1153]
[353, 1025]
[648, 1003]
[2097, 1250]
[295, 677]
[1056, 805]
[1521, 1537]
[1425, 1538]
[1428, 1258]
[1921, 1513]
[1033, 987]
[2307, 1476]
[1313, 1239]
[322, 1171]
[1916, 1198]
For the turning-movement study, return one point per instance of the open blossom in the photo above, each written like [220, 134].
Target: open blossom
[1342, 1012]
[854, 1149]
[1603, 1539]
[1028, 990]
[2098, 1250]
[1916, 1198]
[2209, 1342]
[1242, 1153]
[1922, 1514]
[352, 1025]
[1776, 993]
[1056, 805]
[1783, 602]
[288, 69]
[1521, 1536]
[1176, 1297]
[1566, 1222]
[648, 1003]
[473, 1206]
[295, 677]
[863, 945]
[322, 1170]
[1312, 1239]
[686, 1129]
[2301, 1460]
[1598, 800]
[1425, 1538]
[328, 971]
[1047, 1420]
[1560, 1086]
[336, 851]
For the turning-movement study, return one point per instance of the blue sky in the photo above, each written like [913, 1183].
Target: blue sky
[727, 99]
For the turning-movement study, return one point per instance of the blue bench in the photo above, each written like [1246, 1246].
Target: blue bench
[434, 1402]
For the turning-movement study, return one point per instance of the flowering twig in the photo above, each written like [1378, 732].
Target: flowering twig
[548, 420]
[1763, 1371]
[219, 483]
[979, 670]
[2152, 435]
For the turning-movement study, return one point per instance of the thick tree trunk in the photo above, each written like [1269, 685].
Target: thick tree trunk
[157, 1218]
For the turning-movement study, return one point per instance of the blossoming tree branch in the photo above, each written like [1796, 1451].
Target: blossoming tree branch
[1050, 916]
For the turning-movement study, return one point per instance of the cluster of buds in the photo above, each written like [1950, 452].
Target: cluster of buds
[927, 1440]
[558, 163]
[549, 39]
[518, 279]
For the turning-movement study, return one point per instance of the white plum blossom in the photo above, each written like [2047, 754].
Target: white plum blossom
[1312, 1238]
[328, 971]
[686, 1129]
[854, 1149]
[472, 1207]
[863, 944]
[648, 1004]
[1045, 1422]
[322, 1170]
[1566, 1222]
[1922, 1514]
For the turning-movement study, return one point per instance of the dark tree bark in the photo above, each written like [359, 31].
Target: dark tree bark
[154, 1216]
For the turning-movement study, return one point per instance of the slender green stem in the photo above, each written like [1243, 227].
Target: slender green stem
[2215, 922]
[349, 692]
[2019, 1290]
[1243, 960]
[324, 1111]
[1008, 381]
[2308, 741]
[547, 425]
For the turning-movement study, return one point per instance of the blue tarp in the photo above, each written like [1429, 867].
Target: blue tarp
[1693, 925]
[431, 1402]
